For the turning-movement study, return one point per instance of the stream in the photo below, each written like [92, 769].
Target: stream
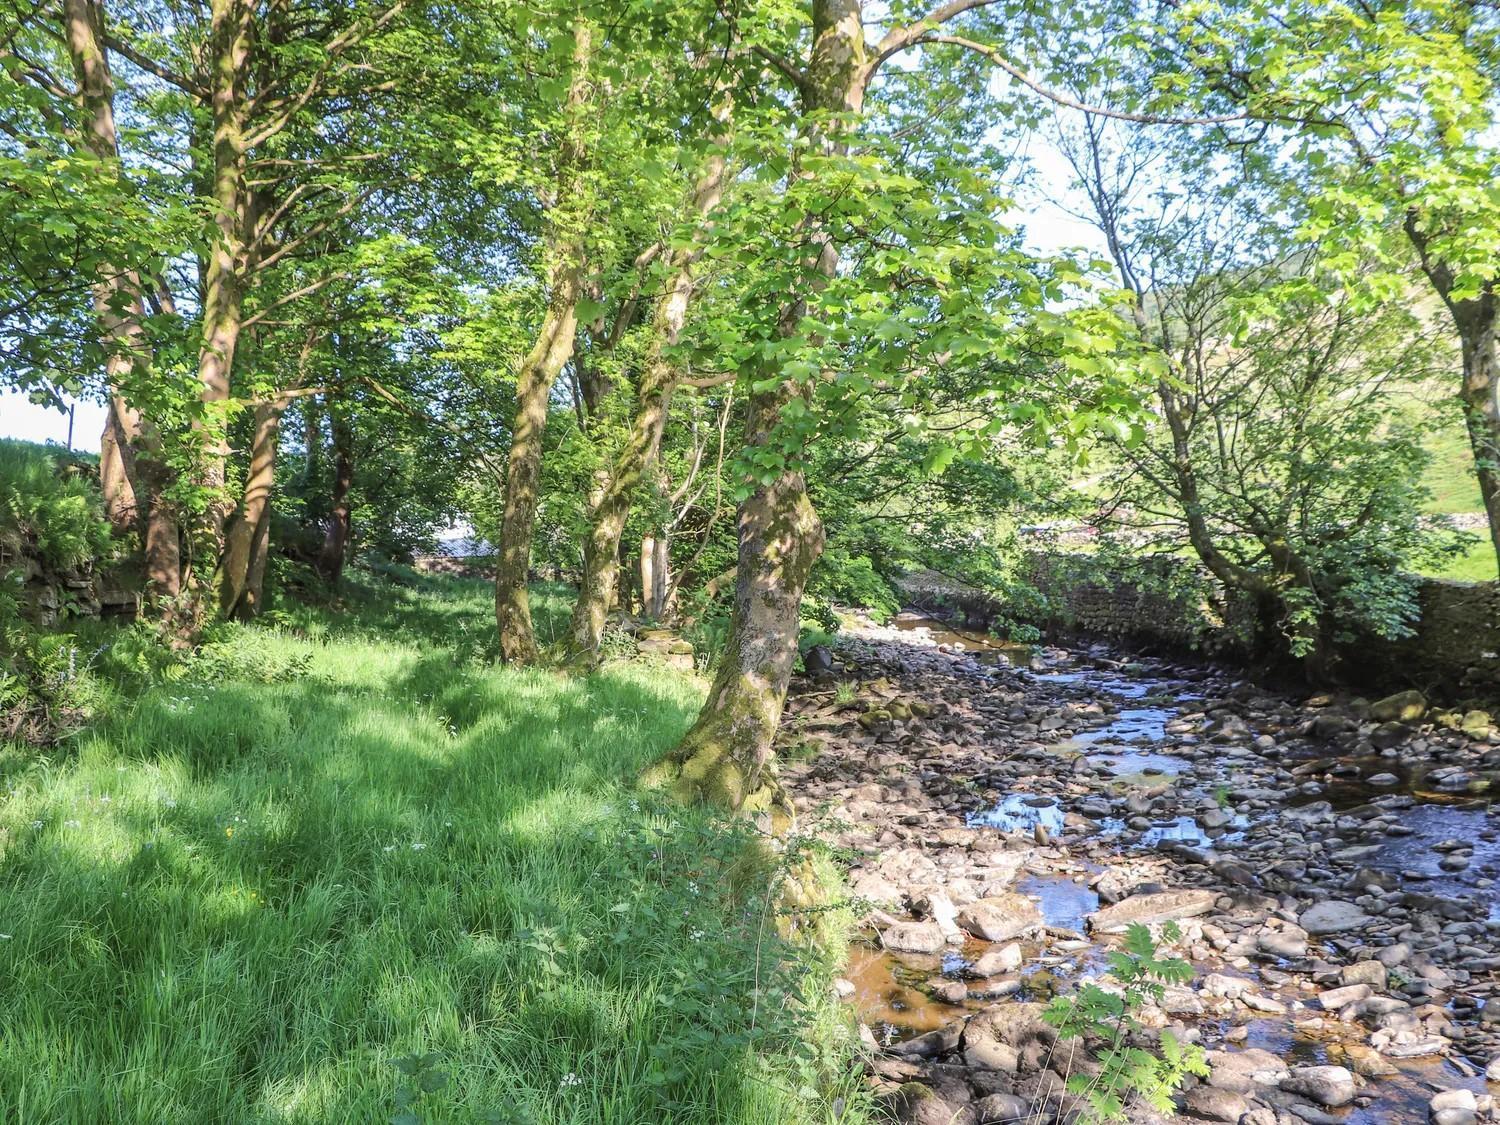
[1012, 806]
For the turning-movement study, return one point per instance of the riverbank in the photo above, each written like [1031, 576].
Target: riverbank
[1332, 873]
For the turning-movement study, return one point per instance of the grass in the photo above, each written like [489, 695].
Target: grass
[344, 870]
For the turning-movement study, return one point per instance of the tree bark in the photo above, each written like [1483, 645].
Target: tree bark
[539, 370]
[247, 536]
[1478, 322]
[336, 531]
[1477, 319]
[132, 474]
[727, 759]
[601, 551]
[223, 269]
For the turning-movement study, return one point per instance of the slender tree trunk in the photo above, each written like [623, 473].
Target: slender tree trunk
[539, 370]
[132, 474]
[224, 267]
[1479, 328]
[336, 531]
[727, 758]
[1477, 319]
[247, 535]
[596, 587]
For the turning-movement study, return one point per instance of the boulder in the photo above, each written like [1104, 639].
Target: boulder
[1329, 1086]
[1214, 1104]
[1403, 707]
[913, 937]
[1162, 906]
[1000, 917]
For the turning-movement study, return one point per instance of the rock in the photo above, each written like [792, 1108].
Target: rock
[1162, 906]
[1332, 917]
[913, 937]
[1453, 1107]
[1329, 1086]
[1404, 707]
[1336, 998]
[1004, 1109]
[1372, 973]
[916, 1104]
[1492, 1072]
[817, 659]
[1006, 959]
[1279, 943]
[1000, 917]
[876, 887]
[1215, 1104]
[1387, 736]
[1243, 1071]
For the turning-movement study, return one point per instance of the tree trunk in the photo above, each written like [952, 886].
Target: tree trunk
[726, 759]
[336, 530]
[223, 269]
[1478, 322]
[132, 474]
[247, 536]
[596, 587]
[551, 351]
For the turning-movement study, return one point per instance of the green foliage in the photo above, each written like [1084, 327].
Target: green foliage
[1128, 1071]
[852, 581]
[50, 510]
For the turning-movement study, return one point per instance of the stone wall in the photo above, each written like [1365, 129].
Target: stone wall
[1173, 604]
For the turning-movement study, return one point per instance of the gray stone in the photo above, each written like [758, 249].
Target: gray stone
[1332, 917]
[1147, 908]
[1329, 1086]
[1006, 959]
[1000, 917]
[1215, 1104]
[913, 937]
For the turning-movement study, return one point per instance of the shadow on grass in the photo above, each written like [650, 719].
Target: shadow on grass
[242, 902]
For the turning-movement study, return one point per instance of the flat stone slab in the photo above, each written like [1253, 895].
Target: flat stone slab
[1000, 917]
[1332, 917]
[1161, 906]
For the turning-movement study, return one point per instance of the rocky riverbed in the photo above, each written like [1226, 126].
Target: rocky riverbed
[1329, 862]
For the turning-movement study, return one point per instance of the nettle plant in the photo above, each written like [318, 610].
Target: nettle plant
[1128, 1072]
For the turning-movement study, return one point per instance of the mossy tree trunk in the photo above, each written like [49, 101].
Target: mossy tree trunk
[658, 381]
[727, 758]
[567, 220]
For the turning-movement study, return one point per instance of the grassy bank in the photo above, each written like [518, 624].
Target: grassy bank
[347, 870]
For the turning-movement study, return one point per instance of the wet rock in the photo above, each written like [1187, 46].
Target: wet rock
[1000, 917]
[1329, 1086]
[913, 937]
[1148, 908]
[1006, 959]
[1453, 1107]
[1372, 973]
[1332, 917]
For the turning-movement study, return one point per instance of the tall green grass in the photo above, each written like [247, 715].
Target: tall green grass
[344, 870]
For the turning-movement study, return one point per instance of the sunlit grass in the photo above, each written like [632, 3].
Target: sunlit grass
[241, 901]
